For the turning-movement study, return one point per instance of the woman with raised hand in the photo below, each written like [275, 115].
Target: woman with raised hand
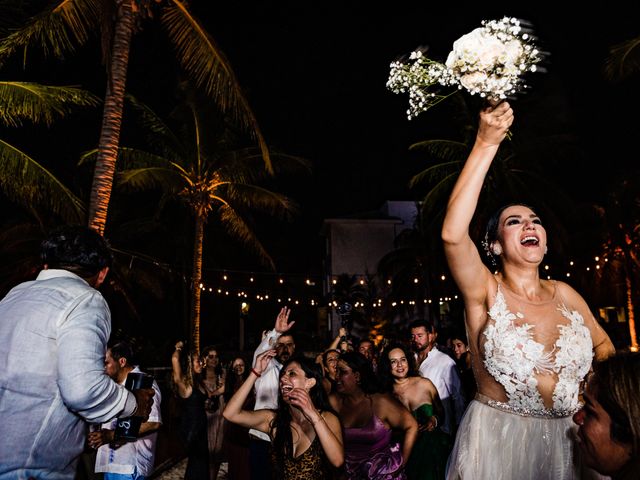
[369, 419]
[531, 340]
[186, 376]
[306, 435]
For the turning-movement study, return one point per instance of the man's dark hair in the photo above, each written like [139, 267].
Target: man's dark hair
[618, 391]
[76, 248]
[123, 350]
[426, 324]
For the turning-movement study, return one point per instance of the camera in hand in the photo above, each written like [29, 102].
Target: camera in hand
[127, 428]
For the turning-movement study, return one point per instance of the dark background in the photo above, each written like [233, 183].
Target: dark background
[315, 74]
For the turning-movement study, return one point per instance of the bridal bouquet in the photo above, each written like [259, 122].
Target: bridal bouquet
[489, 61]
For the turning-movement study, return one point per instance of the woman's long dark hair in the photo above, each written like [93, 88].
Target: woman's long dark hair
[281, 423]
[384, 366]
[359, 364]
[232, 380]
[218, 369]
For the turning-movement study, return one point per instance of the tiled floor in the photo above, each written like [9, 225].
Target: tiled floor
[177, 472]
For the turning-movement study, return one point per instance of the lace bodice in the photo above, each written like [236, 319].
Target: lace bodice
[516, 360]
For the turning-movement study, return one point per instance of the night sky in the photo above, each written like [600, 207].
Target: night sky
[315, 76]
[316, 73]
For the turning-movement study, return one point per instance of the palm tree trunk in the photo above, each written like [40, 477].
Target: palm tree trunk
[111, 118]
[197, 278]
[631, 314]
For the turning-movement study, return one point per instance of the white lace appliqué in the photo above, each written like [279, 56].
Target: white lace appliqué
[513, 358]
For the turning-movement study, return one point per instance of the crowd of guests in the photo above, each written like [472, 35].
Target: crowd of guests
[366, 411]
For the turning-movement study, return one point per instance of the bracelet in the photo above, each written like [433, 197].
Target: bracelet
[256, 373]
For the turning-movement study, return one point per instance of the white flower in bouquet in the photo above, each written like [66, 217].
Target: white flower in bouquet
[489, 61]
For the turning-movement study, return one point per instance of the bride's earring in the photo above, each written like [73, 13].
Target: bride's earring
[496, 249]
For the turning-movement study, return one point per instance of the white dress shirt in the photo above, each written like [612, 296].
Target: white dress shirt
[137, 456]
[53, 336]
[268, 384]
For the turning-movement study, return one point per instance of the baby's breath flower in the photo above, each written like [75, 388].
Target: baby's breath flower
[488, 61]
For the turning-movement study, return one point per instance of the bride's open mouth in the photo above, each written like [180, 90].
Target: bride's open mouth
[286, 390]
[529, 241]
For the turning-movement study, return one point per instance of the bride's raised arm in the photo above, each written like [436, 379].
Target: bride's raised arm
[463, 257]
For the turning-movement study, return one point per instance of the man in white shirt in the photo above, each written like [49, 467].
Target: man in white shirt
[267, 387]
[53, 336]
[120, 460]
[441, 370]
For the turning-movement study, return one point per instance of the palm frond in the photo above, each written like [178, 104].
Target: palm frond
[129, 158]
[245, 165]
[435, 173]
[238, 228]
[157, 133]
[39, 103]
[437, 196]
[27, 182]
[150, 177]
[208, 66]
[445, 149]
[623, 60]
[57, 30]
[258, 198]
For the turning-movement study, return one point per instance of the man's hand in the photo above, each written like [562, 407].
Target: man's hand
[144, 402]
[282, 321]
[99, 438]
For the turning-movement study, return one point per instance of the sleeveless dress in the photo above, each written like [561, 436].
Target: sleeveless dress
[428, 459]
[522, 439]
[369, 453]
[193, 430]
[311, 465]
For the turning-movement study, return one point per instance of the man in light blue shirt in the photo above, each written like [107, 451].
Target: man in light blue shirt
[441, 370]
[130, 460]
[53, 336]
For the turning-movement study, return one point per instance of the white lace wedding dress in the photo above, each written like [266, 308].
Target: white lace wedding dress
[525, 438]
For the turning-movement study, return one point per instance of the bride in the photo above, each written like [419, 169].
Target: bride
[531, 340]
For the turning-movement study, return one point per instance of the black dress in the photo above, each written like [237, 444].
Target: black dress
[193, 429]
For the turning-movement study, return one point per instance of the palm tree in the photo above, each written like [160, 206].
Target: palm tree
[620, 250]
[519, 173]
[209, 177]
[22, 178]
[623, 59]
[68, 23]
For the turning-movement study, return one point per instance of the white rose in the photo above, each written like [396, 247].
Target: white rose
[473, 81]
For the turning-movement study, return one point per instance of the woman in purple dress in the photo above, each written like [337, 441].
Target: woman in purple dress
[369, 418]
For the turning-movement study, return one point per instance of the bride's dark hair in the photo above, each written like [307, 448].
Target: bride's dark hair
[281, 423]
